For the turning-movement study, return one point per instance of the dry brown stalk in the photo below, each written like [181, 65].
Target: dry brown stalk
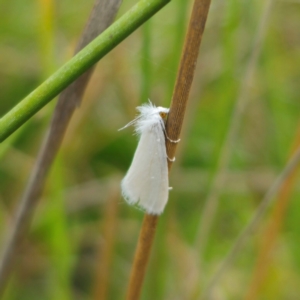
[272, 231]
[183, 84]
[211, 204]
[268, 199]
[106, 252]
[141, 257]
[101, 17]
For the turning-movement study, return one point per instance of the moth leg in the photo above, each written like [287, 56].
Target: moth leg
[173, 141]
[169, 139]
[171, 159]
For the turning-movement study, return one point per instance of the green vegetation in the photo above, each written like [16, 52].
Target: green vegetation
[61, 254]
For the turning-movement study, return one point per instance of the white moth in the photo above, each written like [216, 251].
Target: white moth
[146, 182]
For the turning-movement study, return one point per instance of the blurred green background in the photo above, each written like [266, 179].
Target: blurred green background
[81, 219]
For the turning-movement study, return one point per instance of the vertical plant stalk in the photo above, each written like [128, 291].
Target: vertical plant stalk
[106, 253]
[141, 257]
[211, 204]
[46, 34]
[252, 225]
[180, 96]
[146, 62]
[101, 17]
[272, 231]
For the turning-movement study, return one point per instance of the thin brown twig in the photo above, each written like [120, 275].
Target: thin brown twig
[252, 225]
[211, 204]
[141, 257]
[180, 96]
[106, 252]
[272, 231]
[101, 17]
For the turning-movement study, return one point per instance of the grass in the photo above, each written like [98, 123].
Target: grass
[71, 210]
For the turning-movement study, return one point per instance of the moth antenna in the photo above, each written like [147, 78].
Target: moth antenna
[130, 123]
[150, 102]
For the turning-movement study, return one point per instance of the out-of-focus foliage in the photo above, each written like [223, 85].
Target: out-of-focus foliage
[60, 256]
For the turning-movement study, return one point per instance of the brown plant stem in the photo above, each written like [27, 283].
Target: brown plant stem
[272, 231]
[101, 17]
[268, 199]
[180, 96]
[212, 202]
[106, 253]
[141, 257]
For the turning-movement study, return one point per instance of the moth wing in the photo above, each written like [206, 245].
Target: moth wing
[146, 182]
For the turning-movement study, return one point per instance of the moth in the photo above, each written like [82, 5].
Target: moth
[146, 183]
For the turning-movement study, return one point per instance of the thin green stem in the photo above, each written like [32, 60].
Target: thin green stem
[146, 63]
[76, 66]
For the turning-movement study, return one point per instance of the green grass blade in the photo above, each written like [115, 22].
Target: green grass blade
[76, 66]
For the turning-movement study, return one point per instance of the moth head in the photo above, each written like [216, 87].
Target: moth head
[163, 115]
[163, 112]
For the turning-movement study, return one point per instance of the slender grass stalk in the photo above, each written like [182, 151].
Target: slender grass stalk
[145, 62]
[80, 63]
[252, 225]
[58, 239]
[158, 281]
[179, 33]
[101, 17]
[211, 204]
[109, 235]
[141, 257]
[272, 231]
[46, 35]
[173, 127]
